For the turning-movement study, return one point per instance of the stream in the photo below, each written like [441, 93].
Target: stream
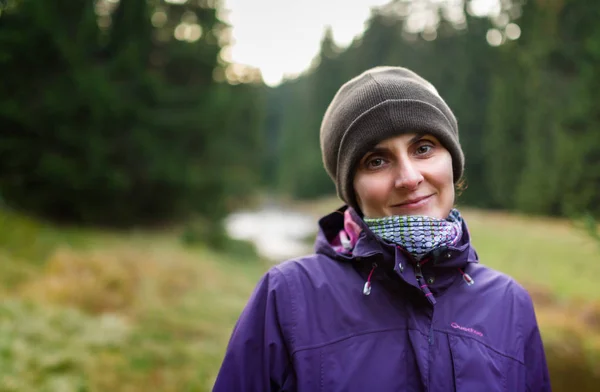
[276, 232]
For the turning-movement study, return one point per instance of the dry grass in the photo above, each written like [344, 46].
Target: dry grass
[174, 308]
[538, 252]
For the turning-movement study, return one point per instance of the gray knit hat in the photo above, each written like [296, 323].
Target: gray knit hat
[376, 105]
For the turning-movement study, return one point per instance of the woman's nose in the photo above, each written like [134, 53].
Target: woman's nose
[408, 175]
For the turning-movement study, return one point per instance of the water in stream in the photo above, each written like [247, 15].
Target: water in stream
[278, 234]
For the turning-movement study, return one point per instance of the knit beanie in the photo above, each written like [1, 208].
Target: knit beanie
[378, 104]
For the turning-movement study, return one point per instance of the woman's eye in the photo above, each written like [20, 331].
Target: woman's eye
[424, 149]
[375, 162]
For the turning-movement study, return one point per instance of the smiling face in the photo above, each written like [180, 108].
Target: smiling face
[410, 174]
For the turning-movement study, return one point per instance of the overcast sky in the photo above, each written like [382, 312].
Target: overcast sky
[282, 36]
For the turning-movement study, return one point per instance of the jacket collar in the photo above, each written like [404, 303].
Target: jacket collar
[369, 246]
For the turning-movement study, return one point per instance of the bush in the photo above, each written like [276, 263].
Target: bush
[214, 235]
[22, 237]
[95, 282]
[115, 280]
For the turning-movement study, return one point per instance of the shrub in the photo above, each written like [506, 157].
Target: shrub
[22, 237]
[92, 281]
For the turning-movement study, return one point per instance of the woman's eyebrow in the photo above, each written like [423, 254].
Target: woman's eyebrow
[377, 150]
[416, 138]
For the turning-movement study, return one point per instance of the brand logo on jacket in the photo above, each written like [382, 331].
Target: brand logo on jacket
[466, 329]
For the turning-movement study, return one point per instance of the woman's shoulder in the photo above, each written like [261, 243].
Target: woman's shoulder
[315, 279]
[313, 265]
[506, 286]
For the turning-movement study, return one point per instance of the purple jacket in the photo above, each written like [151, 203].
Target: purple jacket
[309, 326]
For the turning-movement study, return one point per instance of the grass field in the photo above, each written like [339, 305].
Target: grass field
[96, 311]
[87, 310]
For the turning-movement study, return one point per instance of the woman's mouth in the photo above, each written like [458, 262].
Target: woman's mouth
[414, 203]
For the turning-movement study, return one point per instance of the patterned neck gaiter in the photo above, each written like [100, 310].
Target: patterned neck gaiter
[418, 234]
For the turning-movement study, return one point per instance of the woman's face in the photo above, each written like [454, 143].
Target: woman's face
[410, 174]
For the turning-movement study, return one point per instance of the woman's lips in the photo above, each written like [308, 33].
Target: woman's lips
[413, 203]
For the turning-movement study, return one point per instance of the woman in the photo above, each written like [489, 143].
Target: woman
[394, 299]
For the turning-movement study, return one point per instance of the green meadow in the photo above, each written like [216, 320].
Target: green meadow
[91, 310]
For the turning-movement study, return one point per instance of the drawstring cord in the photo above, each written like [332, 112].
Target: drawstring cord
[367, 287]
[420, 280]
[467, 277]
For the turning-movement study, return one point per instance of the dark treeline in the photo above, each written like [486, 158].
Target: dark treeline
[124, 112]
[111, 112]
[527, 109]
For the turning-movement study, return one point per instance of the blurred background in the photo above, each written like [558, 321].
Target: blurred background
[157, 156]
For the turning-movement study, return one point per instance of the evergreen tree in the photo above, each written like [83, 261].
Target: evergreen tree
[112, 115]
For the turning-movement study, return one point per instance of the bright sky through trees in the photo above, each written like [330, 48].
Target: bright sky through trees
[281, 37]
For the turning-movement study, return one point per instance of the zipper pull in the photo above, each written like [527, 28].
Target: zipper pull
[418, 272]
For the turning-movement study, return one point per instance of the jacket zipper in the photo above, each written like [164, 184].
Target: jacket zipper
[429, 296]
[423, 285]
[431, 338]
